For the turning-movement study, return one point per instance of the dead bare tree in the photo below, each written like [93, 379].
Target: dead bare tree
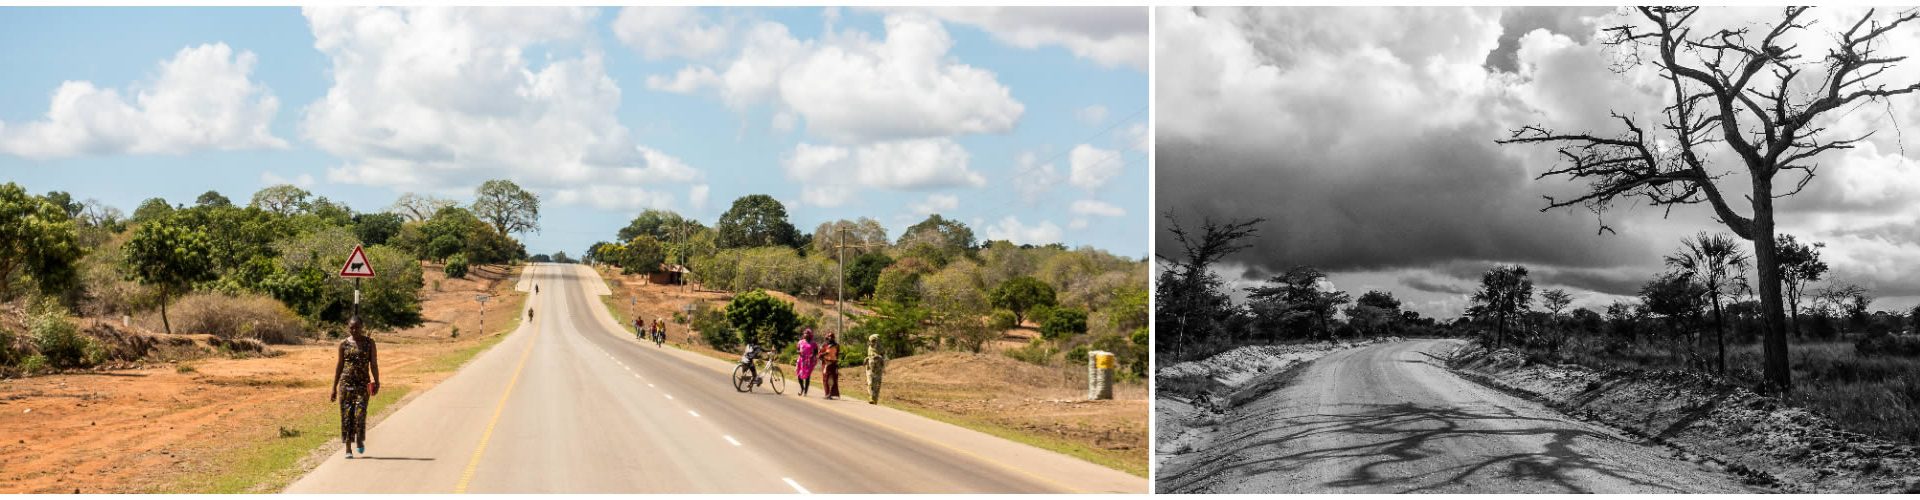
[1727, 89]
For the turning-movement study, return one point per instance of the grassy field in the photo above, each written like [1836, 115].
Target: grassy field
[1877, 395]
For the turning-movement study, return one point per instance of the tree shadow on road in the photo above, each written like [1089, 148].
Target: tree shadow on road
[1400, 448]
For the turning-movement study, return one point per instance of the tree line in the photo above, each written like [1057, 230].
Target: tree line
[934, 287]
[285, 243]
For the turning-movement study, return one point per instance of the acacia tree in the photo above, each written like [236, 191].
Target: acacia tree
[1021, 295]
[1717, 264]
[755, 220]
[1504, 291]
[417, 208]
[1554, 301]
[283, 199]
[1188, 290]
[508, 208]
[169, 256]
[1725, 88]
[1799, 265]
[1297, 295]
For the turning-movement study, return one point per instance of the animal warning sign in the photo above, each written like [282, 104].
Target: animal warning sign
[357, 265]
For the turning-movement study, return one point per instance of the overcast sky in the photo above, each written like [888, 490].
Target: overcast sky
[1027, 123]
[1365, 136]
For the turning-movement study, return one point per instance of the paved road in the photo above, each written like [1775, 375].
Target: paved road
[1389, 418]
[571, 403]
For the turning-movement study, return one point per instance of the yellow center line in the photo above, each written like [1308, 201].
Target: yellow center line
[466, 476]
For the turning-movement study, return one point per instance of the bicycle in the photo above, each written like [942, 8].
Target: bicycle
[659, 339]
[744, 382]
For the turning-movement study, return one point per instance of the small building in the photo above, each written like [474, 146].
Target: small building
[668, 274]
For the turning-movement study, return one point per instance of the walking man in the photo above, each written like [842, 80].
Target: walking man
[356, 378]
[876, 366]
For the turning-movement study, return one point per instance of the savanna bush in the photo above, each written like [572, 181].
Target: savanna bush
[58, 340]
[240, 317]
[457, 266]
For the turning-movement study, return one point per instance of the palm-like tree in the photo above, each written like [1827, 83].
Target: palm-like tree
[1716, 262]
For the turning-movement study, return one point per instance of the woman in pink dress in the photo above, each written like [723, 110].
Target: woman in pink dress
[803, 365]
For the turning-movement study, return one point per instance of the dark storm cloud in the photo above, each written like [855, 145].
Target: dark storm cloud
[1518, 21]
[1436, 199]
[1426, 283]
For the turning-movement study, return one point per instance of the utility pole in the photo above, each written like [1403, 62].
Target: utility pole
[840, 287]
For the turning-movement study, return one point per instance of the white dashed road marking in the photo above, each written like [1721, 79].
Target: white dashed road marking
[796, 486]
[730, 439]
[694, 413]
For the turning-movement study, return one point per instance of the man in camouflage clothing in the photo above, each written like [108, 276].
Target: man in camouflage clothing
[876, 366]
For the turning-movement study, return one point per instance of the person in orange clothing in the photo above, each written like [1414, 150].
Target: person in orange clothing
[830, 359]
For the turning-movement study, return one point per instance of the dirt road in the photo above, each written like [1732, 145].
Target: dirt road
[572, 403]
[1390, 418]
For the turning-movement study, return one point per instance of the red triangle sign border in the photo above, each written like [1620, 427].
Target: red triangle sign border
[364, 269]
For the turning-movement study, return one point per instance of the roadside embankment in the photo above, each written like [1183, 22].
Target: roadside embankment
[1758, 437]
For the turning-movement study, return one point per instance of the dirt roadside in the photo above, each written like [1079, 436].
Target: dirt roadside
[991, 393]
[1759, 438]
[220, 424]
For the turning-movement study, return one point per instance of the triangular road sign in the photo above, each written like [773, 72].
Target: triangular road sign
[357, 265]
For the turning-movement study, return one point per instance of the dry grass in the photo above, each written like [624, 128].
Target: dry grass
[1878, 395]
[243, 317]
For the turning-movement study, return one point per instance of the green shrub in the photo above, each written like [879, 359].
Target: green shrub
[1078, 354]
[57, 339]
[6, 348]
[713, 328]
[35, 364]
[852, 354]
[457, 266]
[1038, 352]
[768, 319]
[1003, 320]
[1064, 323]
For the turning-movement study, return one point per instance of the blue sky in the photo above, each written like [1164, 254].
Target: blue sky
[1028, 124]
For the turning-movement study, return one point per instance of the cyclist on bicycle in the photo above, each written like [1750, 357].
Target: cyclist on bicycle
[753, 353]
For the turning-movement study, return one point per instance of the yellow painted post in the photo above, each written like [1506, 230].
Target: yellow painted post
[1099, 375]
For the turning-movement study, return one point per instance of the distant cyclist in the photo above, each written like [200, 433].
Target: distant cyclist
[356, 378]
[529, 314]
[639, 328]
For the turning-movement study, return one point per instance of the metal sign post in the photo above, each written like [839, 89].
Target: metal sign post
[357, 267]
[482, 299]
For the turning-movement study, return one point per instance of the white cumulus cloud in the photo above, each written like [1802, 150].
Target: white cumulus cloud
[850, 87]
[439, 99]
[1011, 229]
[1097, 208]
[204, 98]
[669, 31]
[936, 203]
[831, 174]
[1091, 167]
[1109, 36]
